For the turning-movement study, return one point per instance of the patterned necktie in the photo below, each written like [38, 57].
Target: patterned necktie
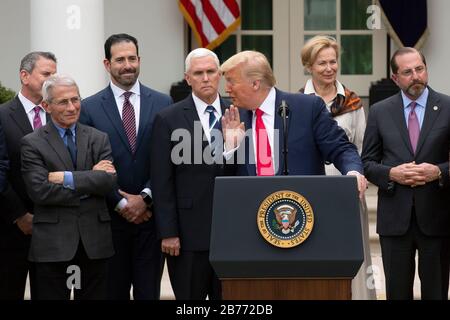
[129, 121]
[413, 126]
[37, 123]
[213, 124]
[213, 121]
[71, 147]
[264, 165]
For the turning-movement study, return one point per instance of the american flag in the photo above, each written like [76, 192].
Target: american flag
[211, 20]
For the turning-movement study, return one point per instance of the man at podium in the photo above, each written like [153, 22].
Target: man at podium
[313, 137]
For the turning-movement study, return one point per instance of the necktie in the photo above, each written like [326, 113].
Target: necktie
[213, 124]
[37, 123]
[413, 126]
[264, 165]
[71, 147]
[129, 121]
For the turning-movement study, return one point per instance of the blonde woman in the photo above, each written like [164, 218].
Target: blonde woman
[320, 56]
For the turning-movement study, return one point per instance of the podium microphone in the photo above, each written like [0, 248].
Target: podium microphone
[283, 112]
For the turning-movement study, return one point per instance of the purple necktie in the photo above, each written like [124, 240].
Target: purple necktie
[129, 121]
[413, 127]
[37, 123]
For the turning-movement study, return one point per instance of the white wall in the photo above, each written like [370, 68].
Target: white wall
[157, 24]
[437, 47]
[15, 39]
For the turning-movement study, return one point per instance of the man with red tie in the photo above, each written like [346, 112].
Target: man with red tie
[19, 117]
[313, 137]
[125, 110]
[405, 154]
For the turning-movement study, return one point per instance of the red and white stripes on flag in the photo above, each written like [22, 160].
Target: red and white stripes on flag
[211, 20]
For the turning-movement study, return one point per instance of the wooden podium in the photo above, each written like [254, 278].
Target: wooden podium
[320, 268]
[286, 289]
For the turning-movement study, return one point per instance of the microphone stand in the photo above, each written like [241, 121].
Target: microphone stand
[284, 111]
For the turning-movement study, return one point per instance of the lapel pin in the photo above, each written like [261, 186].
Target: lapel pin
[435, 108]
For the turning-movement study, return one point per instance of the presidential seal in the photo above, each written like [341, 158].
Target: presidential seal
[285, 219]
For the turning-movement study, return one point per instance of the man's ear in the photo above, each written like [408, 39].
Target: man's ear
[24, 75]
[256, 84]
[45, 105]
[394, 78]
[107, 65]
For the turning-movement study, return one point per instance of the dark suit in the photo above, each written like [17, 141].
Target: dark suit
[15, 203]
[138, 260]
[183, 198]
[4, 163]
[404, 211]
[313, 138]
[67, 222]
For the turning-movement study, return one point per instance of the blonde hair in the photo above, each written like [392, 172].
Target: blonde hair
[254, 66]
[313, 46]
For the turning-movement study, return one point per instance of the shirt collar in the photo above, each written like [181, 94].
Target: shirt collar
[309, 88]
[200, 105]
[118, 92]
[62, 131]
[27, 104]
[268, 105]
[421, 101]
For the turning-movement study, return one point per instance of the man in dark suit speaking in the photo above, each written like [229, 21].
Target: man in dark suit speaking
[405, 153]
[313, 137]
[67, 170]
[184, 181]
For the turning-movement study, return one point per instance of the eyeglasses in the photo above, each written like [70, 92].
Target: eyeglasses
[409, 72]
[65, 102]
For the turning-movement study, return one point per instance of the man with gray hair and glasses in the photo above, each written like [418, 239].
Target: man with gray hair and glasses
[18, 117]
[67, 168]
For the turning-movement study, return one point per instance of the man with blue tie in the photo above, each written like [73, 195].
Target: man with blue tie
[313, 136]
[125, 110]
[184, 181]
[67, 170]
[405, 154]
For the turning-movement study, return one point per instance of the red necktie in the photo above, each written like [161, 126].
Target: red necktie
[264, 165]
[129, 121]
[37, 123]
[413, 126]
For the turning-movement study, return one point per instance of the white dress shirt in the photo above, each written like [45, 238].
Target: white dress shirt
[268, 106]
[200, 106]
[29, 110]
[135, 100]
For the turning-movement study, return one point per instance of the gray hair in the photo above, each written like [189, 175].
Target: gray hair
[29, 61]
[56, 80]
[199, 53]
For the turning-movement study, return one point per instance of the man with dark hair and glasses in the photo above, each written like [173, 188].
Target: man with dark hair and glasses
[406, 155]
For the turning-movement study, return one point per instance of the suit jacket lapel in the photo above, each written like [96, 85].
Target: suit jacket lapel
[18, 115]
[278, 156]
[192, 118]
[55, 141]
[110, 107]
[82, 140]
[398, 115]
[432, 111]
[250, 159]
[145, 114]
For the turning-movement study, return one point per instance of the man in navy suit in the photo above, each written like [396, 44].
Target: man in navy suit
[183, 190]
[125, 111]
[313, 137]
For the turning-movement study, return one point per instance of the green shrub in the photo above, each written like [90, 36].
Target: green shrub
[5, 94]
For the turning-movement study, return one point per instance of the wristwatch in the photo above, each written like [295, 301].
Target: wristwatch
[147, 199]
